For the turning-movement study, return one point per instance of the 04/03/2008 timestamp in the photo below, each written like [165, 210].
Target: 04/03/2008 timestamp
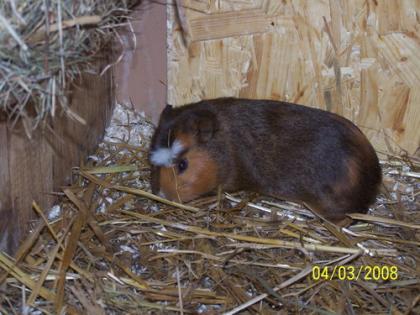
[349, 272]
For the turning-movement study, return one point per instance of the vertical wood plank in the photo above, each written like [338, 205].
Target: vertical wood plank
[30, 169]
[8, 239]
[92, 99]
[141, 75]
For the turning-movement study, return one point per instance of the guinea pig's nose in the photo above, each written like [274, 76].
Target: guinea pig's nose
[155, 184]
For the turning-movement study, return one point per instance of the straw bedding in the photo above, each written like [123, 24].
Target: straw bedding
[110, 247]
[44, 44]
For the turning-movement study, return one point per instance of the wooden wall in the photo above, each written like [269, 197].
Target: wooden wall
[140, 76]
[32, 169]
[358, 58]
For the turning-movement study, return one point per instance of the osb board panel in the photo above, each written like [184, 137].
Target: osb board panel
[32, 169]
[360, 59]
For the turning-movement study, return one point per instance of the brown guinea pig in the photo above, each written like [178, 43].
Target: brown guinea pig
[284, 150]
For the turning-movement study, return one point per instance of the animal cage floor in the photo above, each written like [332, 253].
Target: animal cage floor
[108, 247]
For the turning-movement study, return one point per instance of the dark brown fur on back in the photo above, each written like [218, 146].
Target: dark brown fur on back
[280, 149]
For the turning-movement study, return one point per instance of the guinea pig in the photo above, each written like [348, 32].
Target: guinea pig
[279, 149]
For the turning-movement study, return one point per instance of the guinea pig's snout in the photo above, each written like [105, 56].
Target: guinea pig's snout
[169, 184]
[156, 187]
[188, 176]
[155, 182]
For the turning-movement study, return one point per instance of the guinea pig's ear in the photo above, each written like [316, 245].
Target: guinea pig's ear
[205, 125]
[167, 110]
[165, 115]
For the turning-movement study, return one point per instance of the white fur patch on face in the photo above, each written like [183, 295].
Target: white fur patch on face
[165, 156]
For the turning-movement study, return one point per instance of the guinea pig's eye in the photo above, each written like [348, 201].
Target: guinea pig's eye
[182, 165]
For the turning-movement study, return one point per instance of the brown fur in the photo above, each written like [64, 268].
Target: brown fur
[350, 180]
[195, 181]
[186, 139]
[280, 149]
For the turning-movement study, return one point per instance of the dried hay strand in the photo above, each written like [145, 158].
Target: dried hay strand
[110, 247]
[44, 45]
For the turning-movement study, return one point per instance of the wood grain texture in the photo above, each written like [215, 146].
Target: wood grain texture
[31, 169]
[9, 239]
[230, 24]
[140, 76]
[343, 56]
[91, 97]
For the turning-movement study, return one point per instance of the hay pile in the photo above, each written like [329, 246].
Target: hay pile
[109, 247]
[44, 44]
